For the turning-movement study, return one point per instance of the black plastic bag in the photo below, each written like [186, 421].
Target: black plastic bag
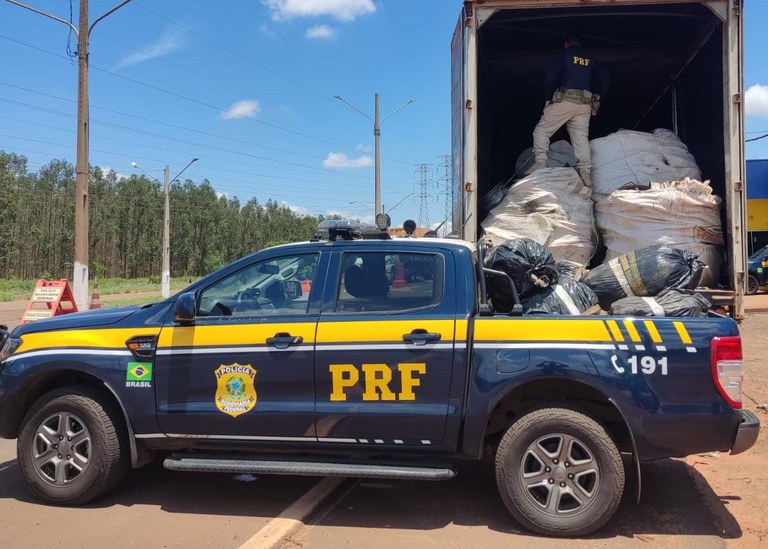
[646, 272]
[567, 297]
[529, 264]
[669, 303]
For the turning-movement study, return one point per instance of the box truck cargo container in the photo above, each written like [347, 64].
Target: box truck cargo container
[675, 64]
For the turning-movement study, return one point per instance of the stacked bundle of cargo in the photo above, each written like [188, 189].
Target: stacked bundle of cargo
[536, 282]
[654, 281]
[648, 191]
[551, 206]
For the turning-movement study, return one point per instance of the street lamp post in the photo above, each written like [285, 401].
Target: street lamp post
[83, 33]
[165, 279]
[376, 136]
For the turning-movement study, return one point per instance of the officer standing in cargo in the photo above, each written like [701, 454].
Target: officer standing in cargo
[575, 83]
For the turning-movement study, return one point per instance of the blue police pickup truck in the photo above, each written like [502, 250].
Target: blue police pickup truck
[369, 358]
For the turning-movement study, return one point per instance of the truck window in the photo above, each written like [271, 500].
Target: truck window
[389, 282]
[267, 287]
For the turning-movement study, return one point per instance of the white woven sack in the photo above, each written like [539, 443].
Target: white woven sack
[551, 206]
[628, 157]
[681, 214]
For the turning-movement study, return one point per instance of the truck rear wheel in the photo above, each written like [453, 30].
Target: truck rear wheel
[559, 472]
[71, 448]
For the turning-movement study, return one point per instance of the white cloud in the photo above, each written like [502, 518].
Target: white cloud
[172, 40]
[757, 100]
[343, 10]
[321, 31]
[241, 109]
[298, 210]
[222, 195]
[364, 149]
[341, 160]
[106, 169]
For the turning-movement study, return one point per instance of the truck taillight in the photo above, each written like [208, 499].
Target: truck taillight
[727, 368]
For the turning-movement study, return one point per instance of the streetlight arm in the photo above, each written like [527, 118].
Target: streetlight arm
[110, 12]
[134, 165]
[48, 15]
[185, 168]
[340, 98]
[397, 110]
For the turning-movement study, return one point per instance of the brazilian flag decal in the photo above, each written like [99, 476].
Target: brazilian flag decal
[139, 371]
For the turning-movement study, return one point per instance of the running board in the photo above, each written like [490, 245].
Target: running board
[213, 464]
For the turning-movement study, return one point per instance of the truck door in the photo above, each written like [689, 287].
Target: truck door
[385, 345]
[244, 368]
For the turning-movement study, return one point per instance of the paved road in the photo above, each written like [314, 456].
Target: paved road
[152, 508]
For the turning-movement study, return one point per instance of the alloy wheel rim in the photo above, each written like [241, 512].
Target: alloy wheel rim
[559, 474]
[61, 449]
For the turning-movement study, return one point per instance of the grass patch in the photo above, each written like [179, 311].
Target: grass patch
[130, 301]
[12, 289]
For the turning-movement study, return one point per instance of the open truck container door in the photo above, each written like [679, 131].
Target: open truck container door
[676, 64]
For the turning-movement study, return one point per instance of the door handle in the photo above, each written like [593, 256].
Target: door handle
[421, 337]
[283, 340]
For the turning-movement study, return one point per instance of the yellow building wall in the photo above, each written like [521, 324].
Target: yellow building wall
[757, 214]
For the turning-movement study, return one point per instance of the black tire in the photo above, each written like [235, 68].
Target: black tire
[752, 285]
[92, 464]
[584, 502]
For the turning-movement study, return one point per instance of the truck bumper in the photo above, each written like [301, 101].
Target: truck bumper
[746, 435]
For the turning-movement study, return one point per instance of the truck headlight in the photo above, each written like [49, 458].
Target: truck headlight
[9, 347]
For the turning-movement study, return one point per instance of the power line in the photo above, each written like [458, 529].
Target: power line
[199, 102]
[757, 138]
[188, 99]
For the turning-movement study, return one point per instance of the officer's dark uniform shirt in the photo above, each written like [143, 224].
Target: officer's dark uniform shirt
[574, 69]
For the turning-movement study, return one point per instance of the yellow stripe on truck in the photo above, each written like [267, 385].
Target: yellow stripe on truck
[651, 327]
[632, 331]
[107, 338]
[232, 334]
[683, 333]
[615, 330]
[508, 329]
[367, 331]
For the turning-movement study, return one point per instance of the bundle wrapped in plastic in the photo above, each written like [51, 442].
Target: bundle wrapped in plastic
[530, 266]
[570, 269]
[645, 273]
[680, 214]
[560, 155]
[567, 297]
[669, 303]
[640, 158]
[551, 206]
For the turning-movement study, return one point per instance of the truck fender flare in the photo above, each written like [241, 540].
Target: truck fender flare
[635, 455]
[138, 458]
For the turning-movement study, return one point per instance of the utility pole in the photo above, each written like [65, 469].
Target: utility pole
[83, 32]
[80, 275]
[377, 121]
[377, 156]
[165, 276]
[165, 280]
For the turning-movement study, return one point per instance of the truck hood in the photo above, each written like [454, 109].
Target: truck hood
[85, 319]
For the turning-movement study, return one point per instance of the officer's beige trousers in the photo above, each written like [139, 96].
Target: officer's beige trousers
[577, 118]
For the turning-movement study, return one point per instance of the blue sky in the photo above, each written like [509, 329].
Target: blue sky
[169, 79]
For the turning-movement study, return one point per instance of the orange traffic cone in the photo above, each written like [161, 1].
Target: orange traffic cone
[95, 297]
[399, 280]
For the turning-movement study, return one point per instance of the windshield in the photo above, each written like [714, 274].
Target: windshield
[759, 253]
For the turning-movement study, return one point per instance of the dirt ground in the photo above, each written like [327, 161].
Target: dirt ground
[740, 483]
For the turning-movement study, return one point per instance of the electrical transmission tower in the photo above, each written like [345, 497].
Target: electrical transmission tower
[423, 170]
[445, 184]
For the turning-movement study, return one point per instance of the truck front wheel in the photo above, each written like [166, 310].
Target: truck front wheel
[71, 447]
[559, 472]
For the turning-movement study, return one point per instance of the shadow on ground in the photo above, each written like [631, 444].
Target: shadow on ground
[676, 500]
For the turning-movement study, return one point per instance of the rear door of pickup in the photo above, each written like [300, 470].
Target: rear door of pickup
[385, 345]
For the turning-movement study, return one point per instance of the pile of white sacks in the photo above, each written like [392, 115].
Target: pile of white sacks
[647, 190]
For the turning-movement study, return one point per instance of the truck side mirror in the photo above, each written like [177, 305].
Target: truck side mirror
[184, 311]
